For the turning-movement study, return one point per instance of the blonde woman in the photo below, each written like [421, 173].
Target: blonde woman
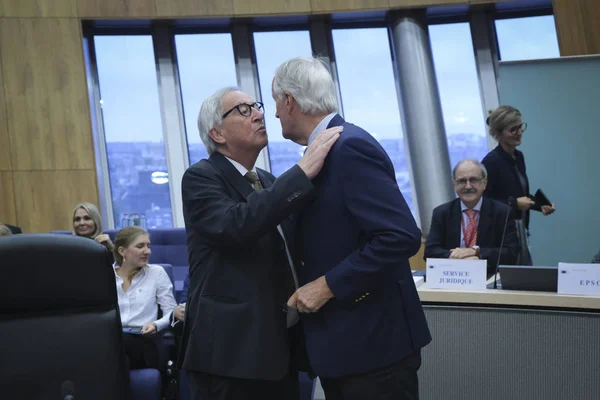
[142, 289]
[88, 223]
[507, 175]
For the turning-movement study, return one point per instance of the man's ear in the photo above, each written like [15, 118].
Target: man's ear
[215, 134]
[290, 102]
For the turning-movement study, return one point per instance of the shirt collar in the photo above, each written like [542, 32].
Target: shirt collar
[116, 266]
[477, 207]
[241, 169]
[321, 126]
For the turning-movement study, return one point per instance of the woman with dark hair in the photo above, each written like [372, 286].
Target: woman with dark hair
[507, 175]
[141, 289]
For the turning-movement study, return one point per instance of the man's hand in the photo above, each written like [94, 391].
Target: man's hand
[311, 297]
[149, 329]
[179, 312]
[315, 154]
[461, 254]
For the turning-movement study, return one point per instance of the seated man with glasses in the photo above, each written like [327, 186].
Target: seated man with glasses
[471, 227]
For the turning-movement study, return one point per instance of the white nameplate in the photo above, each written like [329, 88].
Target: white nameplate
[581, 279]
[445, 273]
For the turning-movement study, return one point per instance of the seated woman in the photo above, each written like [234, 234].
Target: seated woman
[87, 223]
[141, 288]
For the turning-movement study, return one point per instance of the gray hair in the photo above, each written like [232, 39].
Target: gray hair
[501, 118]
[309, 82]
[94, 214]
[484, 173]
[211, 115]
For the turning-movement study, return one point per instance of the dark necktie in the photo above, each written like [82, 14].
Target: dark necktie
[252, 177]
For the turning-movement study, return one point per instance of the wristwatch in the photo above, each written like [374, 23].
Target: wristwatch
[477, 250]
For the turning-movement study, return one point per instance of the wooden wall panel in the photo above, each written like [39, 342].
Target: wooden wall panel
[194, 8]
[5, 162]
[45, 199]
[577, 26]
[46, 94]
[118, 8]
[38, 8]
[271, 7]
[320, 6]
[8, 214]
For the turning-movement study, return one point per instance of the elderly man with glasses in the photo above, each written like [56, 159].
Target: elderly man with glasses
[238, 331]
[472, 227]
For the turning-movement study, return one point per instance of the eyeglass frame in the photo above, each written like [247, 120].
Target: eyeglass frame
[515, 129]
[260, 107]
[472, 181]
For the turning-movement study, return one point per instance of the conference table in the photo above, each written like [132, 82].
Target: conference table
[499, 344]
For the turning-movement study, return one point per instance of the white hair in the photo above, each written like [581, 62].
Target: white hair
[309, 82]
[211, 115]
[484, 173]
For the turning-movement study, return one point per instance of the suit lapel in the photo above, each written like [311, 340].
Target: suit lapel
[454, 224]
[265, 178]
[485, 222]
[241, 185]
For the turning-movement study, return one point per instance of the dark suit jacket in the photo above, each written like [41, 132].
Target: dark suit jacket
[503, 180]
[240, 281]
[360, 233]
[445, 230]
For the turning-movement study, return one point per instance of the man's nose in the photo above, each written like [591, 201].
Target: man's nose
[257, 116]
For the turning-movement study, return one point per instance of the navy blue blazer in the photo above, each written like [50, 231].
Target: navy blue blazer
[503, 180]
[444, 233]
[360, 233]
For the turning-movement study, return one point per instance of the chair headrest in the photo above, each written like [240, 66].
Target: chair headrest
[45, 272]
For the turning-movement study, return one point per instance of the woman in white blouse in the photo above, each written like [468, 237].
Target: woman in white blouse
[141, 288]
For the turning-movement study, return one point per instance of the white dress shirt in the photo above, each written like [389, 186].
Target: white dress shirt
[320, 127]
[149, 289]
[465, 219]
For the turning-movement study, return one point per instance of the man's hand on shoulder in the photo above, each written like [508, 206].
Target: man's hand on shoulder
[314, 157]
[311, 297]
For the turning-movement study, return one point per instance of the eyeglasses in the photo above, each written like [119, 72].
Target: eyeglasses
[472, 181]
[245, 109]
[515, 129]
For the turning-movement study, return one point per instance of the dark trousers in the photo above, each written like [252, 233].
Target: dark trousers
[141, 351]
[205, 386]
[398, 381]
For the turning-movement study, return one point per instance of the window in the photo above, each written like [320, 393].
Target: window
[199, 78]
[527, 38]
[133, 128]
[458, 84]
[272, 49]
[368, 89]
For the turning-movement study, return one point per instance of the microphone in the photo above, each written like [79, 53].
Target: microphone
[68, 388]
[511, 201]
